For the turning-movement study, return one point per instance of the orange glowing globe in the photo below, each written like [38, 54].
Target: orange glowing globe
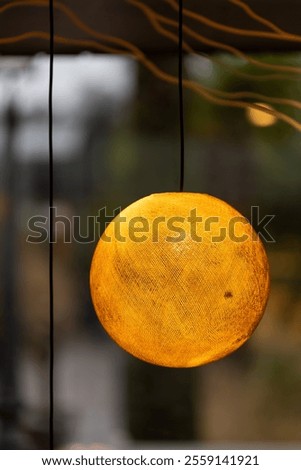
[179, 279]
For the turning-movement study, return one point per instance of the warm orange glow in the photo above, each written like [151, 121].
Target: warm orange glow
[260, 118]
[170, 298]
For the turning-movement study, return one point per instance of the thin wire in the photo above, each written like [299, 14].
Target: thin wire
[51, 309]
[181, 107]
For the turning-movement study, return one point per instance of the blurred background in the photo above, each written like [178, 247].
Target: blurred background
[116, 139]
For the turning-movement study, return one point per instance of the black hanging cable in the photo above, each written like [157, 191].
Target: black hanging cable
[51, 309]
[181, 107]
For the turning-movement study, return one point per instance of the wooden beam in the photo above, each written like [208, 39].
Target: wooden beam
[120, 19]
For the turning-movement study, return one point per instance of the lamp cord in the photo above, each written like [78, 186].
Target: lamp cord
[181, 106]
[50, 121]
[51, 309]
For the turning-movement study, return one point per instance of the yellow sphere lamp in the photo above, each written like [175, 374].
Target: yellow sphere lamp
[179, 279]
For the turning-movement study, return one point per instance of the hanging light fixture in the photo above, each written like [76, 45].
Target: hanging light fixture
[259, 118]
[179, 279]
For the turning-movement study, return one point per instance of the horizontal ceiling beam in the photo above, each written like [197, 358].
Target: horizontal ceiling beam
[121, 19]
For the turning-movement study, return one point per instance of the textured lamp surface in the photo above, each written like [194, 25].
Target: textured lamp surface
[179, 279]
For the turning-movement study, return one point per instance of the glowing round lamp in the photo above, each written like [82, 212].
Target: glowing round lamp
[259, 118]
[179, 279]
